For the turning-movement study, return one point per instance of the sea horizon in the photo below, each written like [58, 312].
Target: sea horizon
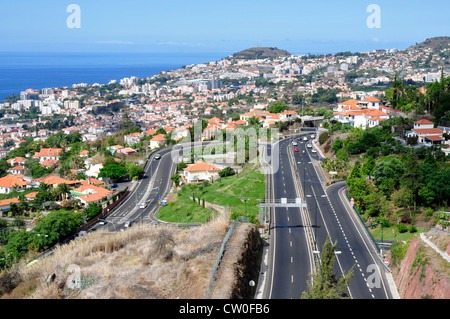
[20, 71]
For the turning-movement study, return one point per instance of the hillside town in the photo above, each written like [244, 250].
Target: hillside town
[348, 88]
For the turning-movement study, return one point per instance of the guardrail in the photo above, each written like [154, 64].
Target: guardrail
[365, 226]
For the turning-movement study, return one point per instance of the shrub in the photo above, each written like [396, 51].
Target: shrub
[323, 137]
[402, 228]
[412, 229]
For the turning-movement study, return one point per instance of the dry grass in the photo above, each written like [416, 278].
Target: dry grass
[142, 262]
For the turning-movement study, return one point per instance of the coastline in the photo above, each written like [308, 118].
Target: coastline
[20, 71]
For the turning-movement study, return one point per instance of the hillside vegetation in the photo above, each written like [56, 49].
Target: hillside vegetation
[261, 53]
[160, 262]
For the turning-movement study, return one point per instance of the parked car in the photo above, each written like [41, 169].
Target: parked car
[102, 221]
[113, 186]
[128, 223]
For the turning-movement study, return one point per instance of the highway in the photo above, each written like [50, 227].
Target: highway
[298, 234]
[151, 189]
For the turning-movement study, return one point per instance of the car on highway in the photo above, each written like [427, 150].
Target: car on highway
[128, 223]
[143, 205]
[308, 145]
[312, 136]
[314, 150]
[305, 138]
[296, 149]
[157, 157]
[294, 143]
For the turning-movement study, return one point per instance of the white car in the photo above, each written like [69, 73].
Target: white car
[128, 223]
[313, 136]
[305, 138]
[143, 205]
[314, 150]
[308, 145]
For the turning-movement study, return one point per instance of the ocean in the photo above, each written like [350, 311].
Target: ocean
[21, 71]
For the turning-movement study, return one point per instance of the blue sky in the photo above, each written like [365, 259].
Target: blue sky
[298, 26]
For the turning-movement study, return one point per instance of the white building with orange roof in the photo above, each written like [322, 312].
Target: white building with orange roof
[199, 172]
[10, 182]
[157, 141]
[5, 204]
[370, 103]
[48, 153]
[91, 194]
[426, 132]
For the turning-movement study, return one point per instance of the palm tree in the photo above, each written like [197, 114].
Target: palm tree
[62, 190]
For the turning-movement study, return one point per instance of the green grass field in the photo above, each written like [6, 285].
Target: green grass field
[239, 192]
[388, 235]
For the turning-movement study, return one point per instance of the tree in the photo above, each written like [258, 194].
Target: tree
[227, 171]
[176, 179]
[277, 107]
[62, 190]
[54, 226]
[325, 284]
[387, 174]
[112, 171]
[369, 165]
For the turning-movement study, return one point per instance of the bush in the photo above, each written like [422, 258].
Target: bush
[402, 228]
[227, 171]
[412, 229]
[323, 137]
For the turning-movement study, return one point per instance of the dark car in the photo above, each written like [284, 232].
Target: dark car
[113, 185]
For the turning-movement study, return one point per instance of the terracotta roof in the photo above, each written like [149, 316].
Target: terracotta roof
[158, 137]
[350, 102]
[201, 166]
[48, 152]
[374, 112]
[371, 99]
[434, 138]
[53, 179]
[425, 131]
[49, 162]
[8, 201]
[423, 121]
[376, 118]
[10, 181]
[31, 195]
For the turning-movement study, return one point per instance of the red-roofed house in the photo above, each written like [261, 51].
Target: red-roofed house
[426, 132]
[157, 141]
[5, 204]
[199, 172]
[48, 153]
